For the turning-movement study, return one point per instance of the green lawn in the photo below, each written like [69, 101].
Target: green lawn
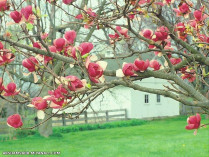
[164, 138]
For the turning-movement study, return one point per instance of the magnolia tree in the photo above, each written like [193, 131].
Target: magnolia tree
[51, 38]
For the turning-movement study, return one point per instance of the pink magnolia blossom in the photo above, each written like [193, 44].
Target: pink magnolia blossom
[147, 33]
[15, 121]
[67, 1]
[203, 38]
[161, 34]
[57, 97]
[88, 17]
[44, 36]
[1, 46]
[199, 15]
[155, 65]
[129, 69]
[1, 85]
[175, 61]
[11, 90]
[3, 5]
[141, 65]
[37, 45]
[123, 32]
[90, 12]
[189, 77]
[16, 16]
[53, 49]
[86, 48]
[27, 12]
[180, 27]
[131, 16]
[182, 10]
[30, 63]
[168, 1]
[6, 58]
[193, 122]
[79, 16]
[143, 2]
[59, 44]
[70, 36]
[72, 51]
[95, 71]
[39, 103]
[74, 83]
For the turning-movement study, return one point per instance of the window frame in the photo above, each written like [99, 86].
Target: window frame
[146, 98]
[158, 98]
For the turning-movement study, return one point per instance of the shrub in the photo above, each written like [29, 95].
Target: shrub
[24, 133]
[84, 127]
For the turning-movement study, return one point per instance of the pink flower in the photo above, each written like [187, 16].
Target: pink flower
[74, 83]
[67, 1]
[52, 49]
[193, 122]
[203, 38]
[128, 69]
[161, 34]
[27, 11]
[30, 63]
[57, 97]
[155, 65]
[141, 65]
[131, 16]
[123, 32]
[147, 33]
[14, 121]
[72, 51]
[37, 45]
[70, 36]
[44, 36]
[95, 72]
[79, 16]
[59, 44]
[1, 85]
[39, 103]
[11, 90]
[168, 1]
[199, 16]
[86, 48]
[175, 61]
[3, 5]
[143, 2]
[190, 77]
[6, 58]
[16, 16]
[91, 13]
[1, 46]
[183, 10]
[180, 27]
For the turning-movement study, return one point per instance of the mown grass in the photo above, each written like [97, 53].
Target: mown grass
[163, 138]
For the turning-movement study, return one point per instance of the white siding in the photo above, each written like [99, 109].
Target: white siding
[139, 109]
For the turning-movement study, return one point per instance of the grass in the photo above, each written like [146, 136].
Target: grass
[158, 138]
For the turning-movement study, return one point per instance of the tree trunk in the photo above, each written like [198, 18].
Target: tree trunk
[46, 128]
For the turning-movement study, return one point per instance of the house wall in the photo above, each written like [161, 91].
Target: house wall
[123, 97]
[140, 109]
[115, 98]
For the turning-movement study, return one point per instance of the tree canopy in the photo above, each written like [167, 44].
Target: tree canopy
[53, 53]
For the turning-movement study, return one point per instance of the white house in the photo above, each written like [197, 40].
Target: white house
[139, 105]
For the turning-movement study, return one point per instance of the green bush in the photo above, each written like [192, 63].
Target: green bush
[25, 133]
[84, 127]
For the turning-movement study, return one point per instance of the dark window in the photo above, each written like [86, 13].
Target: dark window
[146, 98]
[158, 98]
